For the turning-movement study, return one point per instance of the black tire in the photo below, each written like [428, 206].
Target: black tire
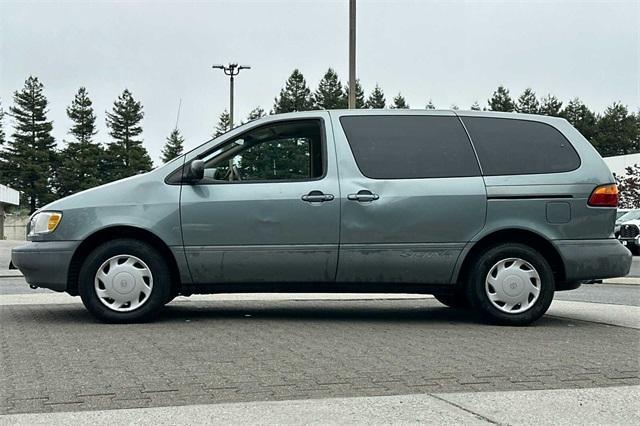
[480, 268]
[455, 300]
[160, 292]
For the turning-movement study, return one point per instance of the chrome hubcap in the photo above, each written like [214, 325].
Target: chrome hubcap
[123, 283]
[513, 285]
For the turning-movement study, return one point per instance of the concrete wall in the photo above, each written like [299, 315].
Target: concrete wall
[9, 196]
[15, 227]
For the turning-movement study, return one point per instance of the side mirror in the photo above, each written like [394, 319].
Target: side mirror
[195, 172]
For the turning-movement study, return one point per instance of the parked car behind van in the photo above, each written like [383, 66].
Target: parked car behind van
[491, 211]
[630, 215]
[627, 230]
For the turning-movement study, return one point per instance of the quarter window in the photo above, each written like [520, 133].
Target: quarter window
[516, 147]
[406, 147]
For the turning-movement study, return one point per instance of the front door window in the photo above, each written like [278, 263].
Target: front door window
[289, 151]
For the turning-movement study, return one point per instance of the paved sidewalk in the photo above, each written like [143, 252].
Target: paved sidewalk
[554, 407]
[58, 358]
[603, 313]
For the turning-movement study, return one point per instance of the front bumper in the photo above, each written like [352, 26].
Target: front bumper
[45, 264]
[594, 259]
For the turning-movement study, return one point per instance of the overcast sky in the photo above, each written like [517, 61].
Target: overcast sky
[448, 51]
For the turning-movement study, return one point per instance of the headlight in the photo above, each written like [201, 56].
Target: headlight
[44, 223]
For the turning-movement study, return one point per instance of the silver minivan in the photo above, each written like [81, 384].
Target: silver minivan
[490, 211]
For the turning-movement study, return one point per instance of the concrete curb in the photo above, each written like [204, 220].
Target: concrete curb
[612, 405]
[623, 281]
[10, 273]
[601, 313]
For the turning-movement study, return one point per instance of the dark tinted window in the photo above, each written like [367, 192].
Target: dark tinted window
[517, 147]
[401, 147]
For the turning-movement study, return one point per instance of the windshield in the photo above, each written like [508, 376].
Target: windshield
[630, 215]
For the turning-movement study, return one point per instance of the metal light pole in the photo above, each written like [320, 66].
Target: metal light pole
[352, 54]
[231, 70]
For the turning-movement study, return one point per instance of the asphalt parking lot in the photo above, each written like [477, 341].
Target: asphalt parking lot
[254, 349]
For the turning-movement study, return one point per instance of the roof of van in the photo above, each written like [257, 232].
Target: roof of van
[437, 112]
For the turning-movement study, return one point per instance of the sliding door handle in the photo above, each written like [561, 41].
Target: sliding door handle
[317, 197]
[363, 196]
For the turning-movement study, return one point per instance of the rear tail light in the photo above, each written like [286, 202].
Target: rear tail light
[604, 196]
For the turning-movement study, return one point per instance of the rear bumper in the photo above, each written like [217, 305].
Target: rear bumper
[594, 259]
[629, 243]
[45, 264]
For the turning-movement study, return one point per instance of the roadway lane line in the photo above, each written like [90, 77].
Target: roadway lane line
[612, 405]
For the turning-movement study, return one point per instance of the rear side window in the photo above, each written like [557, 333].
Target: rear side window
[519, 147]
[406, 147]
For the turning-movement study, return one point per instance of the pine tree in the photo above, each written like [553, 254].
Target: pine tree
[1, 125]
[580, 117]
[29, 158]
[126, 156]
[376, 99]
[617, 132]
[430, 105]
[81, 159]
[174, 146]
[527, 102]
[329, 94]
[550, 105]
[224, 124]
[81, 113]
[501, 101]
[475, 106]
[255, 114]
[629, 187]
[295, 96]
[399, 102]
[3, 165]
[360, 101]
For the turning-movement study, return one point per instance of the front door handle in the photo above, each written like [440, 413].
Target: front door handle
[317, 197]
[363, 196]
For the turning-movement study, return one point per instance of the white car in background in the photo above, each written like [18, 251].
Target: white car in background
[629, 235]
[629, 215]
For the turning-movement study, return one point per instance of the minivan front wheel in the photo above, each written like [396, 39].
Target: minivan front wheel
[124, 280]
[511, 284]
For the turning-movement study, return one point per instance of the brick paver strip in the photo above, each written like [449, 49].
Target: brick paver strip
[57, 358]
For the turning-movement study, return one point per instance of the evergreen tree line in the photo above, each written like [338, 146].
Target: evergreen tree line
[614, 132]
[31, 163]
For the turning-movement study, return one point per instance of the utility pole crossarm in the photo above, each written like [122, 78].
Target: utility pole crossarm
[232, 70]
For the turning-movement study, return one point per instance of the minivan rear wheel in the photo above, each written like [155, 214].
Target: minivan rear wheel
[124, 280]
[511, 284]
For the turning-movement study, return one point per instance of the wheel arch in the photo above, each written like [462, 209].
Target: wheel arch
[514, 235]
[111, 233]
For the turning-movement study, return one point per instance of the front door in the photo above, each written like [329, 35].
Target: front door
[267, 209]
[412, 196]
